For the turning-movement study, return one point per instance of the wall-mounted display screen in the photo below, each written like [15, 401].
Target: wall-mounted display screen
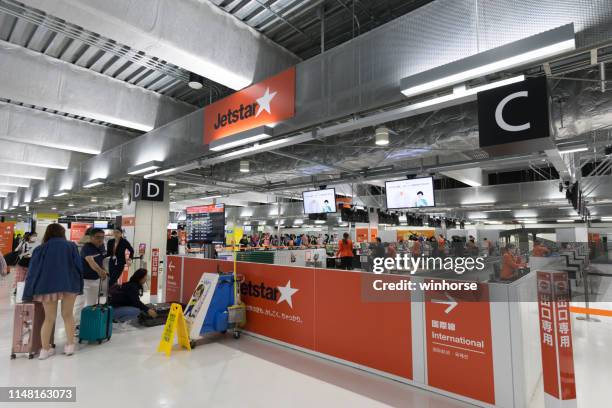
[206, 224]
[319, 201]
[414, 193]
[101, 224]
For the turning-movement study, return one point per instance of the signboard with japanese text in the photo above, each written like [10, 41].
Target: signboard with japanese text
[459, 344]
[556, 335]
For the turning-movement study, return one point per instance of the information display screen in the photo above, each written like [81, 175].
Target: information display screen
[101, 224]
[418, 192]
[319, 201]
[206, 224]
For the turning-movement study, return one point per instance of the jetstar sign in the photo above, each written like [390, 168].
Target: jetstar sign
[265, 103]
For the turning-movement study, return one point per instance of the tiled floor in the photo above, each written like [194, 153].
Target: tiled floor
[127, 371]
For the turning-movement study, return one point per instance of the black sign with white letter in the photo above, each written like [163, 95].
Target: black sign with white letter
[514, 113]
[148, 190]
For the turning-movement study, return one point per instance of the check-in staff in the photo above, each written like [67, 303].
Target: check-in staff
[540, 249]
[116, 248]
[510, 265]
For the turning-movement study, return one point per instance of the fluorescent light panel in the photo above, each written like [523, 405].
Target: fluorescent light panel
[160, 172]
[574, 150]
[60, 193]
[242, 138]
[94, 183]
[507, 56]
[144, 167]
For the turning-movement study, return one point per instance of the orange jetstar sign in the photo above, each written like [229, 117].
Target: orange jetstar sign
[264, 103]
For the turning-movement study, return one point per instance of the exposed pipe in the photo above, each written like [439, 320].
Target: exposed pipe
[602, 76]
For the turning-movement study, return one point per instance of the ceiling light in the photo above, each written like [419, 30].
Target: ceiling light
[94, 200]
[565, 220]
[39, 200]
[60, 193]
[606, 219]
[160, 172]
[70, 204]
[528, 221]
[501, 58]
[493, 222]
[195, 81]
[171, 184]
[144, 167]
[525, 205]
[488, 211]
[211, 197]
[573, 150]
[382, 136]
[94, 183]
[319, 221]
[242, 138]
[54, 208]
[244, 166]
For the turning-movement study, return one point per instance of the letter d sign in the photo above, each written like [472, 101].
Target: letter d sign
[153, 190]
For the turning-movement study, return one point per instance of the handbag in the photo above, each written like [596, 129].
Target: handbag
[11, 258]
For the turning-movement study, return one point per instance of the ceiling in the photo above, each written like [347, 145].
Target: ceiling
[296, 24]
[151, 89]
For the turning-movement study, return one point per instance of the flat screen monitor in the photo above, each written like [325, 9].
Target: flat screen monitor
[319, 201]
[413, 193]
[206, 224]
[101, 224]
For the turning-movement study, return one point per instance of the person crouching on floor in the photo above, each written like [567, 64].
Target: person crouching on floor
[125, 299]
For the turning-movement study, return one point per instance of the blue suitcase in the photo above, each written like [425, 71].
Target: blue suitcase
[216, 319]
[96, 322]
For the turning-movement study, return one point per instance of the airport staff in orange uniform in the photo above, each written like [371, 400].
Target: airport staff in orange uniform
[509, 263]
[540, 249]
[345, 252]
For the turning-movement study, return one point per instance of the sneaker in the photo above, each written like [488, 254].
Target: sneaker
[45, 354]
[69, 349]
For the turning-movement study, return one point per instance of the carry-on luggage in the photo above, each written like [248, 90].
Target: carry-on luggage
[28, 320]
[96, 321]
[162, 310]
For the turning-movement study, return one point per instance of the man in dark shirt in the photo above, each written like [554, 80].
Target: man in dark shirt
[93, 254]
[172, 245]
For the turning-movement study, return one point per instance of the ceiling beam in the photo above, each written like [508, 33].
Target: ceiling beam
[194, 35]
[38, 156]
[36, 79]
[36, 127]
[23, 171]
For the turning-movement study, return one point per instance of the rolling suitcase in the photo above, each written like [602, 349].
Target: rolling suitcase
[28, 320]
[96, 322]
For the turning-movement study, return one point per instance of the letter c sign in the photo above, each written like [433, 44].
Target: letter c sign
[515, 118]
[499, 113]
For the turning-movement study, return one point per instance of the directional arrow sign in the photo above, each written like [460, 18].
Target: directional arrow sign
[450, 302]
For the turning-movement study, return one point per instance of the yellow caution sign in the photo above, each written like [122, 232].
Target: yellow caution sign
[175, 321]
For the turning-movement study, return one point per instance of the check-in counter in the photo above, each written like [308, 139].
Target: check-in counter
[480, 346]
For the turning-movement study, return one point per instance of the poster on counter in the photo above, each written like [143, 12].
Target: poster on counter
[78, 230]
[6, 237]
[174, 271]
[459, 344]
[195, 311]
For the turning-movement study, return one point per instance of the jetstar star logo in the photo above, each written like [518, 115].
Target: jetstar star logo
[261, 290]
[265, 103]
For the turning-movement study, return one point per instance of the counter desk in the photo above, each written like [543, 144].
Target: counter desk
[480, 346]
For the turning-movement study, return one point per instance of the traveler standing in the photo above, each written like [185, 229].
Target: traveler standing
[24, 250]
[116, 248]
[55, 275]
[92, 256]
[345, 252]
[172, 245]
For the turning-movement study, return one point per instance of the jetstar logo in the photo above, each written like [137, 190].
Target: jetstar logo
[261, 290]
[245, 112]
[265, 103]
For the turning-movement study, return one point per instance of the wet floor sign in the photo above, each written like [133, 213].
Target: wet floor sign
[175, 323]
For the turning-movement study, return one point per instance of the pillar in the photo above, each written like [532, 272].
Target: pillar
[145, 222]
